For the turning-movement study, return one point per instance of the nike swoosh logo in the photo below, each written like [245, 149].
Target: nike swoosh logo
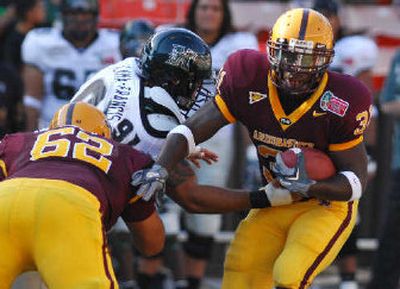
[317, 114]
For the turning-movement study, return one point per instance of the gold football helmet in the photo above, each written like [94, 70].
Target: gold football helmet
[300, 49]
[83, 115]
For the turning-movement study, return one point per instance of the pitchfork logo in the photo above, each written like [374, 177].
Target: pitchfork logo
[181, 57]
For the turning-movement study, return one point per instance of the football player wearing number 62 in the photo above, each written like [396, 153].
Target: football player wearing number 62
[58, 61]
[61, 189]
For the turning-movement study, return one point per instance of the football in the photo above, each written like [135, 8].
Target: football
[318, 164]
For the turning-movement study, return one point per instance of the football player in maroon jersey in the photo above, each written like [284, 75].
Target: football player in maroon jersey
[61, 189]
[286, 98]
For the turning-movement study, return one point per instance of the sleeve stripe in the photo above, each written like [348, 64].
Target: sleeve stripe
[346, 145]
[3, 168]
[134, 199]
[224, 108]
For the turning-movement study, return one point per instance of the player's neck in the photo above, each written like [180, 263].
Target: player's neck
[291, 102]
[81, 44]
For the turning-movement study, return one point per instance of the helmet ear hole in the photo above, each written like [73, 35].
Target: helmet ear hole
[176, 59]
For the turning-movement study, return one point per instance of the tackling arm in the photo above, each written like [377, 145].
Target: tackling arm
[183, 188]
[203, 125]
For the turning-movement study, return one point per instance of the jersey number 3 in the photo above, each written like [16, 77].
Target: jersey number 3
[91, 149]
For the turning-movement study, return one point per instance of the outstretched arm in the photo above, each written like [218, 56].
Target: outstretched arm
[183, 188]
[203, 125]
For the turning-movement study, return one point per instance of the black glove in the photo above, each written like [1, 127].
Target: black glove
[152, 182]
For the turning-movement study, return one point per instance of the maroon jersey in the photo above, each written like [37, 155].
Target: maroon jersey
[101, 166]
[332, 119]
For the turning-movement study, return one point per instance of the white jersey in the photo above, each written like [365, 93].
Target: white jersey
[229, 44]
[355, 54]
[65, 68]
[138, 115]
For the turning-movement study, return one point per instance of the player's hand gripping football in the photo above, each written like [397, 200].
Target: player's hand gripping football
[151, 181]
[202, 154]
[295, 178]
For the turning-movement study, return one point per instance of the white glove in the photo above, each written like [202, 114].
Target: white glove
[277, 196]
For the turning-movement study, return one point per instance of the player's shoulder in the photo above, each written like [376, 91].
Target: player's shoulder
[43, 32]
[246, 66]
[123, 70]
[120, 69]
[351, 90]
[40, 44]
[42, 36]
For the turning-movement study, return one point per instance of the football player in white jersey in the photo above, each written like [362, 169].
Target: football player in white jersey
[141, 114]
[144, 99]
[57, 61]
[133, 37]
[212, 21]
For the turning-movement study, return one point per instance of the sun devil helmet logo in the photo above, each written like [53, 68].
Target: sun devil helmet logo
[181, 57]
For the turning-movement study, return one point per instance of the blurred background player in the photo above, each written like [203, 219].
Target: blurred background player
[29, 14]
[212, 21]
[331, 10]
[57, 61]
[356, 55]
[74, 167]
[133, 37]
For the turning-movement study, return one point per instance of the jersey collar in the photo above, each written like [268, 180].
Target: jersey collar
[293, 117]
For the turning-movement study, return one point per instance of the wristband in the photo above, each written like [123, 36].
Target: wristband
[355, 183]
[258, 199]
[32, 102]
[187, 133]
